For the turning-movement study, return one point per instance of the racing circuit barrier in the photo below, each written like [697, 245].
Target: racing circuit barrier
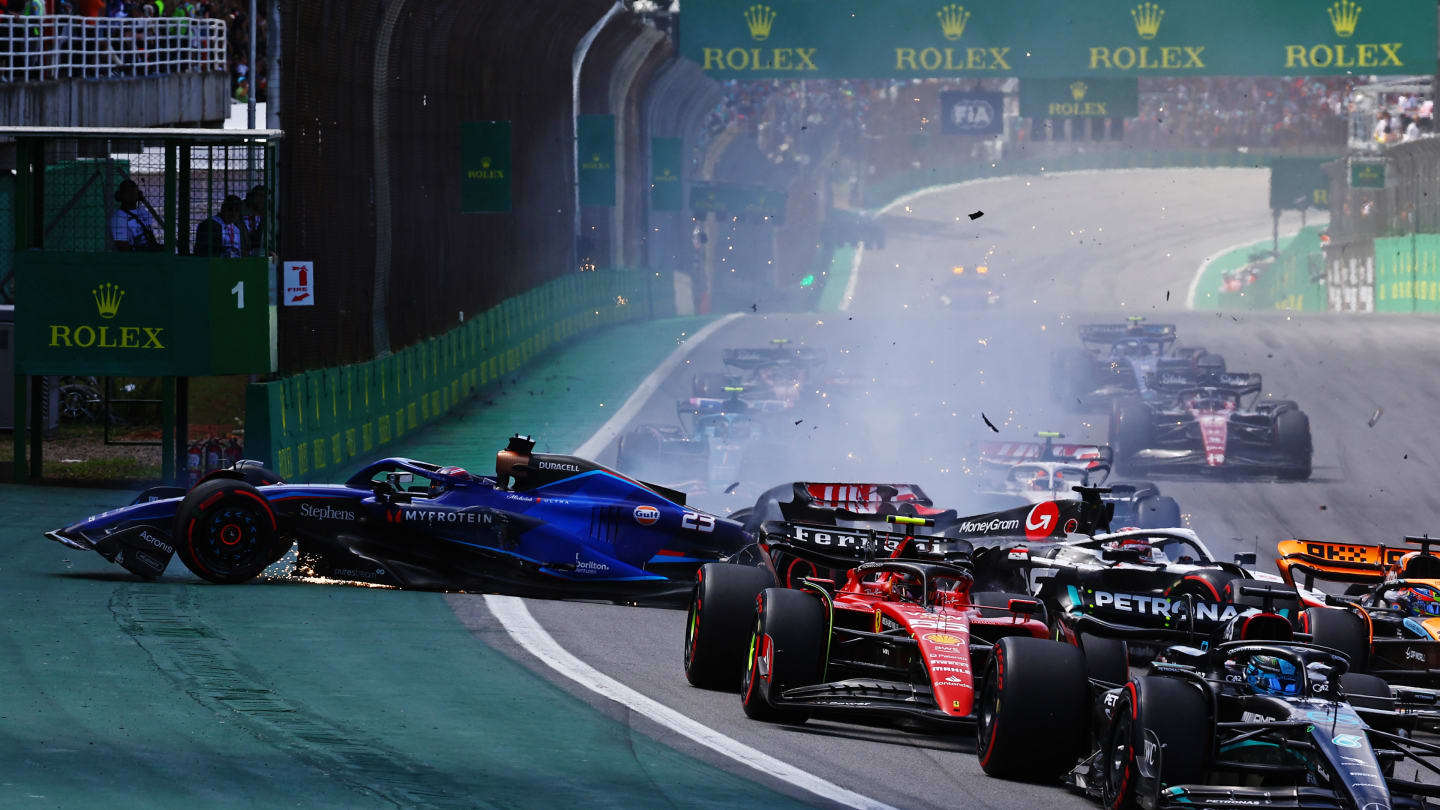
[1293, 281]
[1407, 273]
[310, 426]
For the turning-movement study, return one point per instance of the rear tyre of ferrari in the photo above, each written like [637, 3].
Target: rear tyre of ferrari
[226, 532]
[1106, 659]
[722, 611]
[1292, 438]
[1341, 630]
[1032, 710]
[1178, 713]
[787, 649]
[1159, 512]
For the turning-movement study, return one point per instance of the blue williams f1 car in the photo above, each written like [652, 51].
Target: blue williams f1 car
[550, 525]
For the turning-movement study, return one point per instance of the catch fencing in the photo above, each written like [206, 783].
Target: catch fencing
[56, 47]
[311, 426]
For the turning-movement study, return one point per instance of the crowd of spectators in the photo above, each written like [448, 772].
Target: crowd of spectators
[1230, 112]
[234, 12]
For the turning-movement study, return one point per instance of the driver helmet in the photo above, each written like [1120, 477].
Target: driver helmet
[456, 475]
[1418, 602]
[1148, 552]
[1272, 675]
[1040, 481]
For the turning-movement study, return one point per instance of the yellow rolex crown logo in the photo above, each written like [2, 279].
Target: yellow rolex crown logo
[1077, 90]
[484, 162]
[1343, 16]
[595, 157]
[759, 19]
[107, 299]
[1147, 19]
[952, 21]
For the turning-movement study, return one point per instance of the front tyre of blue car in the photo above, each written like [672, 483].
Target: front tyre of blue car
[226, 532]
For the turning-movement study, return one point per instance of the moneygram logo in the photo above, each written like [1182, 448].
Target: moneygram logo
[989, 526]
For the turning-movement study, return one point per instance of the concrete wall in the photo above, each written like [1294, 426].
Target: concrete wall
[146, 101]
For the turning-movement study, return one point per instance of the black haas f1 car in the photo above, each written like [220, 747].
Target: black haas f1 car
[1116, 360]
[1031, 472]
[547, 525]
[1390, 622]
[899, 629]
[1211, 423]
[1257, 719]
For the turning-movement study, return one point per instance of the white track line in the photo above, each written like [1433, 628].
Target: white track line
[648, 386]
[527, 632]
[522, 627]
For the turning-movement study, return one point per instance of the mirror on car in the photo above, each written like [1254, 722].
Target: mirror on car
[1245, 558]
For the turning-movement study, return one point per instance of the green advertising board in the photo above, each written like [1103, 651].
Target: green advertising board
[735, 200]
[1367, 174]
[138, 314]
[1299, 183]
[1079, 98]
[484, 166]
[807, 39]
[667, 192]
[596, 141]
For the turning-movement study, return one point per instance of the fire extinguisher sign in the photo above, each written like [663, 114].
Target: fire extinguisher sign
[299, 284]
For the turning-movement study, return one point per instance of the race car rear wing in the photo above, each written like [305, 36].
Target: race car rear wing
[1334, 562]
[1173, 382]
[1009, 453]
[820, 502]
[844, 548]
[750, 359]
[1113, 332]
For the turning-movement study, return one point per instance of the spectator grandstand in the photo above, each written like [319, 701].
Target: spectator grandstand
[117, 38]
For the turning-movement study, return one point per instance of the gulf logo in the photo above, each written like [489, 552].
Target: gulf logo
[646, 515]
[941, 638]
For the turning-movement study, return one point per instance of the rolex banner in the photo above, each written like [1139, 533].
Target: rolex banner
[806, 39]
[666, 164]
[736, 200]
[1298, 183]
[484, 166]
[142, 314]
[1079, 98]
[596, 137]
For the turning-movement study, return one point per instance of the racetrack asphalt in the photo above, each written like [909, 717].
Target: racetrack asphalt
[185, 694]
[1073, 248]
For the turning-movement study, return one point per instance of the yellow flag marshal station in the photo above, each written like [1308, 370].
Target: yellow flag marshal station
[1057, 39]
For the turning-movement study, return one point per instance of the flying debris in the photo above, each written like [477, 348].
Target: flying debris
[988, 423]
[731, 488]
[1375, 417]
[977, 215]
